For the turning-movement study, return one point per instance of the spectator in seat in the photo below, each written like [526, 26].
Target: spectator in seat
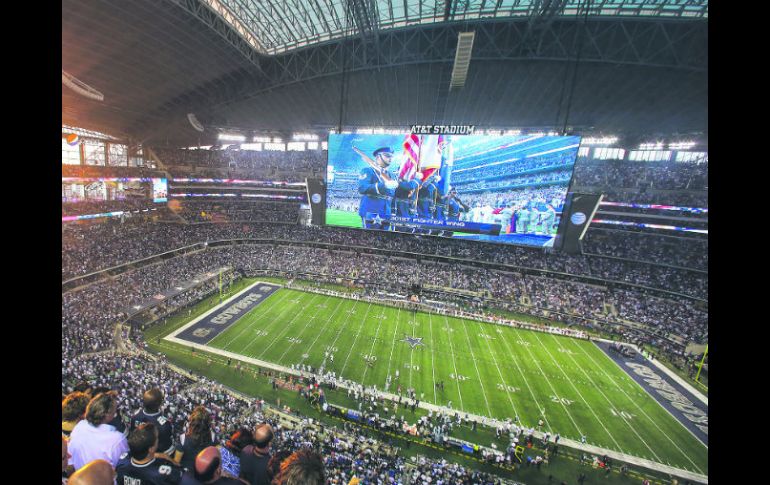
[231, 452]
[97, 472]
[274, 465]
[199, 435]
[254, 458]
[208, 470]
[141, 466]
[150, 413]
[117, 420]
[92, 438]
[303, 467]
[73, 410]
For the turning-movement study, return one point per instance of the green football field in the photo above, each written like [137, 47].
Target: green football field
[336, 217]
[487, 369]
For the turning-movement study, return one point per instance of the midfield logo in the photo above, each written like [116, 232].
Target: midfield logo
[412, 341]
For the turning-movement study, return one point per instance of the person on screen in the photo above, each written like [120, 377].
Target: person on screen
[377, 187]
[427, 196]
[534, 218]
[405, 194]
[548, 217]
[522, 219]
[506, 215]
[455, 206]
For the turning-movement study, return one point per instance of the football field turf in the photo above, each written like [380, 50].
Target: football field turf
[487, 369]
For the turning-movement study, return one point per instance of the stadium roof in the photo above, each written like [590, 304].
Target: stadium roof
[273, 27]
[286, 64]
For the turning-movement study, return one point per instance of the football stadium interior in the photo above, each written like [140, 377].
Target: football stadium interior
[384, 242]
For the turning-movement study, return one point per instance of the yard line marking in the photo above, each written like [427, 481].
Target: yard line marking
[324, 329]
[550, 384]
[593, 384]
[508, 394]
[590, 408]
[287, 327]
[432, 363]
[374, 341]
[393, 346]
[318, 334]
[452, 350]
[411, 352]
[339, 332]
[248, 327]
[654, 423]
[353, 346]
[342, 327]
[526, 381]
[481, 381]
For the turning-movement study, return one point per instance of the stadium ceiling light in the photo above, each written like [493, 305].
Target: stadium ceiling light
[261, 139]
[80, 87]
[605, 140]
[231, 137]
[304, 137]
[682, 145]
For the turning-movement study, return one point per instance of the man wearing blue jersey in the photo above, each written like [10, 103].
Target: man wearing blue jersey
[377, 187]
[150, 413]
[141, 466]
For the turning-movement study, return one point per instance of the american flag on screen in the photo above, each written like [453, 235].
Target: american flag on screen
[411, 157]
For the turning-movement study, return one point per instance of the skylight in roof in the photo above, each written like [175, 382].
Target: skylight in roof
[276, 26]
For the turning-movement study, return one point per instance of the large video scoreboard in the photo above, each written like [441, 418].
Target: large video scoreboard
[501, 189]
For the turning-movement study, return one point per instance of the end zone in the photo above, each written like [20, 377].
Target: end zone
[206, 327]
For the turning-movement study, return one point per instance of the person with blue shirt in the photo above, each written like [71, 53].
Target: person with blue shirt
[427, 196]
[405, 193]
[455, 206]
[377, 187]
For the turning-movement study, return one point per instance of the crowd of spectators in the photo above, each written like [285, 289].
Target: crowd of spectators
[561, 176]
[86, 206]
[91, 171]
[88, 311]
[674, 251]
[237, 211]
[230, 420]
[652, 175]
[463, 173]
[92, 247]
[289, 166]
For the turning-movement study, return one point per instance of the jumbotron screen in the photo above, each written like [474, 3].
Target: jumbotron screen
[501, 189]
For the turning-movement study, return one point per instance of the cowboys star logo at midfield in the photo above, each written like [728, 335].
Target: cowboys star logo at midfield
[412, 341]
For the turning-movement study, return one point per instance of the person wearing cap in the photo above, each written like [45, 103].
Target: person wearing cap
[377, 187]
